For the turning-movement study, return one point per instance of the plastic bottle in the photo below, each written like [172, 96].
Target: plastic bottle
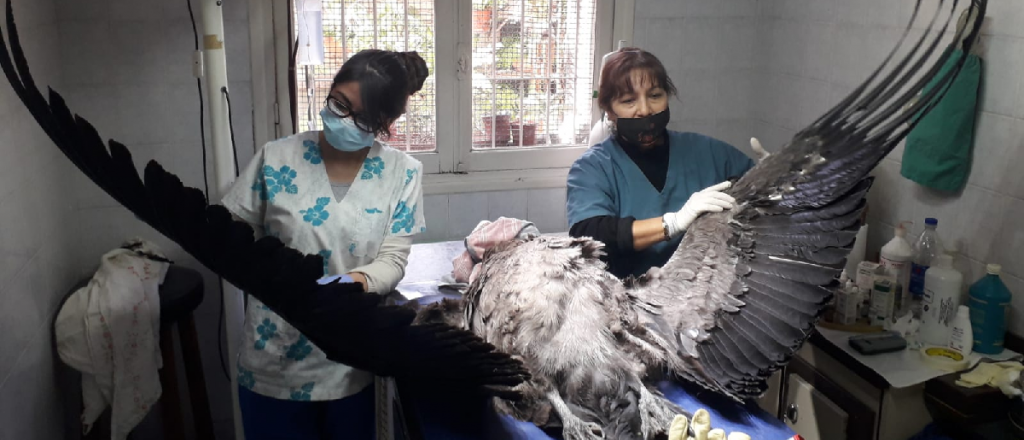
[858, 251]
[941, 300]
[600, 131]
[847, 304]
[926, 248]
[960, 335]
[882, 301]
[604, 60]
[989, 302]
[895, 259]
[865, 303]
[961, 265]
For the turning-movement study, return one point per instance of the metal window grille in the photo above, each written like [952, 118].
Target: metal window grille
[532, 72]
[532, 68]
[353, 25]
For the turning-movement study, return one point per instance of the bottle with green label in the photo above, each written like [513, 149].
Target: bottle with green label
[989, 303]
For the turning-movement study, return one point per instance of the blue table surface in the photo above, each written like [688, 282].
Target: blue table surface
[443, 418]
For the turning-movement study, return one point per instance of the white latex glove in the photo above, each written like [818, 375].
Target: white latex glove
[677, 430]
[701, 427]
[710, 199]
[701, 424]
[758, 149]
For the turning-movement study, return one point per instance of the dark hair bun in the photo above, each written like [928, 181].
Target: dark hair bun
[416, 67]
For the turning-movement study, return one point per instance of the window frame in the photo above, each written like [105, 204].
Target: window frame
[453, 166]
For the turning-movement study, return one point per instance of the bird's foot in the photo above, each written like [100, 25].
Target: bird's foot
[579, 430]
[657, 414]
[573, 427]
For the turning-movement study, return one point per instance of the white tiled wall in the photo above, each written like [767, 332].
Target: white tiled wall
[815, 51]
[453, 216]
[709, 50]
[37, 226]
[127, 65]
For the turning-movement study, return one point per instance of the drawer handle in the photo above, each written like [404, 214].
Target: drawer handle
[792, 413]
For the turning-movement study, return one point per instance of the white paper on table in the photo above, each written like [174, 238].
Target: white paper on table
[903, 368]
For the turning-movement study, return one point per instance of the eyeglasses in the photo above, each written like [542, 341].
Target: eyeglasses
[342, 110]
[339, 108]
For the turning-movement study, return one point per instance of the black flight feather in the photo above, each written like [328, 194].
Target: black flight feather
[349, 325]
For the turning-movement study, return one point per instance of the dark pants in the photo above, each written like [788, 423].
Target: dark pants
[267, 418]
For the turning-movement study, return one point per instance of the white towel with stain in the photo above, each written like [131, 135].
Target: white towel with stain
[109, 331]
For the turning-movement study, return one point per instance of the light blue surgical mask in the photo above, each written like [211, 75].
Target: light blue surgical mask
[343, 134]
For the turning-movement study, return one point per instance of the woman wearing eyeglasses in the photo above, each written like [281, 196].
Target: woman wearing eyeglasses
[356, 202]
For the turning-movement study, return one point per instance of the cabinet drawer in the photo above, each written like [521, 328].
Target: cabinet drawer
[812, 415]
[824, 410]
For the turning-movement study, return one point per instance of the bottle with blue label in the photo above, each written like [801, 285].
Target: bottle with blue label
[989, 303]
[926, 248]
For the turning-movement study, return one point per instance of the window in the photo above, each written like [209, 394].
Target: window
[533, 65]
[511, 85]
[346, 27]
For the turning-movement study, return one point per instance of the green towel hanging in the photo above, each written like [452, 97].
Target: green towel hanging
[938, 149]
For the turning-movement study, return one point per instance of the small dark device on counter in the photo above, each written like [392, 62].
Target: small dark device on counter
[878, 343]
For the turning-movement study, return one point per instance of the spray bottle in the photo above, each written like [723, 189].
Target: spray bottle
[600, 131]
[604, 60]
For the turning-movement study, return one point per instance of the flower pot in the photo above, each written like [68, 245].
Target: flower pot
[482, 21]
[497, 128]
[397, 137]
[529, 134]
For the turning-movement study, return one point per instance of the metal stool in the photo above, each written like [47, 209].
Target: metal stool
[180, 295]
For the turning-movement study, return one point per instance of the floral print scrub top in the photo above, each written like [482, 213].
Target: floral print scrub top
[285, 192]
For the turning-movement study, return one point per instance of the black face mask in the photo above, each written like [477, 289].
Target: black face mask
[642, 131]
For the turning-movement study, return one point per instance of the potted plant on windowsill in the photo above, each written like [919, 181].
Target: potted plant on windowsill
[524, 131]
[482, 19]
[497, 128]
[397, 135]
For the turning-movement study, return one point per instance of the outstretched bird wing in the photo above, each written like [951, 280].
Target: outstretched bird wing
[350, 326]
[745, 288]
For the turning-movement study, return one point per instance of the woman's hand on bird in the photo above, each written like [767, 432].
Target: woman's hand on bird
[710, 199]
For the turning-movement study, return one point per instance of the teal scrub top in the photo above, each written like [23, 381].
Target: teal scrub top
[606, 181]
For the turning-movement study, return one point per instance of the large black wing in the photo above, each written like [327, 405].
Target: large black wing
[350, 326]
[746, 287]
